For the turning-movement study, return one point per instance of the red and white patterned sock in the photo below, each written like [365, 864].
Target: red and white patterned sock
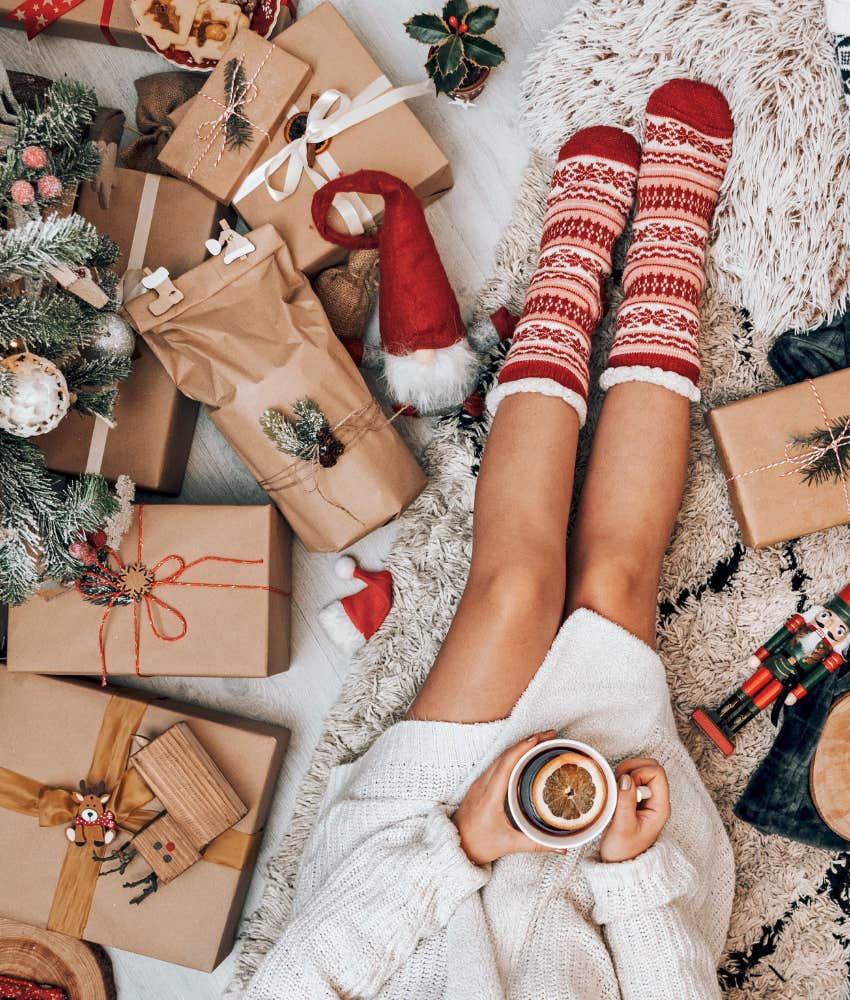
[688, 144]
[592, 191]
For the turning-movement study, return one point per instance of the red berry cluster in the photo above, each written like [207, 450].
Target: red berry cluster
[461, 27]
[49, 186]
[85, 550]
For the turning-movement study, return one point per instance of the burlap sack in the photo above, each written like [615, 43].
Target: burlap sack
[158, 95]
[251, 335]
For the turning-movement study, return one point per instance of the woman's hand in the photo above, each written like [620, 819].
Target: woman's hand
[635, 827]
[485, 830]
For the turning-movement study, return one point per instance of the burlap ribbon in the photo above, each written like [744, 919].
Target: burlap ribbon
[77, 878]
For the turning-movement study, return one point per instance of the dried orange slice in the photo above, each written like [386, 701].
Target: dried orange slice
[569, 791]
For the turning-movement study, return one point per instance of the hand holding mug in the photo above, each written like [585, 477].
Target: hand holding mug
[485, 831]
[635, 826]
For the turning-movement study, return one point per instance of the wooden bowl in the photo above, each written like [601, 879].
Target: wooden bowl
[81, 969]
[829, 775]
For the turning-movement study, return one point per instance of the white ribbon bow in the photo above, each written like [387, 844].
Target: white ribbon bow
[323, 123]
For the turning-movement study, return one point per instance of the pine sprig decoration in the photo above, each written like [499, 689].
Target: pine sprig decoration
[61, 119]
[30, 249]
[831, 447]
[40, 517]
[238, 132]
[308, 436]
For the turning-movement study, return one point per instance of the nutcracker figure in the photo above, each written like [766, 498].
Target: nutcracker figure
[806, 650]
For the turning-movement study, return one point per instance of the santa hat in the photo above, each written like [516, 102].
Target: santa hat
[428, 361]
[354, 619]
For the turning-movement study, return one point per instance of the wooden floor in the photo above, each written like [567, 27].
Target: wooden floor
[488, 152]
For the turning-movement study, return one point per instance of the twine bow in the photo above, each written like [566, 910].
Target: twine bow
[113, 583]
[807, 460]
[332, 113]
[237, 95]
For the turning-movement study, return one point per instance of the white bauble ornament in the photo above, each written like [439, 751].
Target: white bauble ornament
[39, 399]
[112, 337]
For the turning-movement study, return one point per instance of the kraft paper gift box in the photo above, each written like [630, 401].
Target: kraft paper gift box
[772, 445]
[55, 732]
[392, 140]
[156, 221]
[203, 593]
[250, 336]
[247, 93]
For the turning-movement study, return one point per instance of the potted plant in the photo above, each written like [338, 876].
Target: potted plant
[459, 58]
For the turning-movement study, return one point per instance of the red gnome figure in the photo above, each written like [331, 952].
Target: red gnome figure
[806, 650]
[428, 363]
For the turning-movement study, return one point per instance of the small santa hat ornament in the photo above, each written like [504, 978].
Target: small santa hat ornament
[428, 362]
[351, 621]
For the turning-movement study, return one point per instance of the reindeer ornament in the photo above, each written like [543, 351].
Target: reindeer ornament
[93, 824]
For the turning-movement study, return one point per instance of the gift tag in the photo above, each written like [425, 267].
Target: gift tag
[168, 294]
[231, 243]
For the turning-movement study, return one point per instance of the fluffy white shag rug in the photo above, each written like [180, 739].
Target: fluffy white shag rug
[779, 260]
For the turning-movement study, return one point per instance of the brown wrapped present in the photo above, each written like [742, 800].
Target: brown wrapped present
[156, 221]
[249, 336]
[181, 575]
[785, 454]
[55, 733]
[355, 120]
[230, 123]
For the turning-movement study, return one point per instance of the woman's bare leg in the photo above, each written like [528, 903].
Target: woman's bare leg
[513, 602]
[628, 505]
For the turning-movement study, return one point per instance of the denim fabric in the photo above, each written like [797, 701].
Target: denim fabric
[777, 799]
[798, 356]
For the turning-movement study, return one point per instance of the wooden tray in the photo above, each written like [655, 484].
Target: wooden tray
[829, 774]
[81, 969]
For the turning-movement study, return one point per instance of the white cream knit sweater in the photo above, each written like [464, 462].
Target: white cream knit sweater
[387, 904]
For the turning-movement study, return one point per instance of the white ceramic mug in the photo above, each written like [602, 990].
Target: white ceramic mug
[560, 841]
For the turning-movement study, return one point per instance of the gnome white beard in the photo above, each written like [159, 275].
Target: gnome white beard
[433, 380]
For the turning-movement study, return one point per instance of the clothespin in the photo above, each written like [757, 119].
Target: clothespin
[234, 244]
[78, 281]
[168, 294]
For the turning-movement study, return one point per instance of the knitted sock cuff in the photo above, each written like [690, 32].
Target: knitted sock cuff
[680, 384]
[543, 387]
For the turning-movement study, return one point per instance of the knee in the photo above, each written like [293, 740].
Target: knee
[622, 588]
[521, 593]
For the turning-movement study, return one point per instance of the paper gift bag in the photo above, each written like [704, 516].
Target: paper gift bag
[53, 733]
[182, 576]
[229, 125]
[363, 123]
[784, 456]
[250, 336]
[156, 221]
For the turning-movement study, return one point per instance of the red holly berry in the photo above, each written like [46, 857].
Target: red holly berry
[49, 186]
[34, 157]
[22, 193]
[463, 28]
[83, 552]
[97, 539]
[452, 21]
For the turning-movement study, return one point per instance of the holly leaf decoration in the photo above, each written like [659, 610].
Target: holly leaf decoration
[427, 28]
[481, 19]
[445, 84]
[455, 8]
[481, 51]
[449, 56]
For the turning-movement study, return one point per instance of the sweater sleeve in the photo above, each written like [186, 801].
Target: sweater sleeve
[659, 948]
[399, 885]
